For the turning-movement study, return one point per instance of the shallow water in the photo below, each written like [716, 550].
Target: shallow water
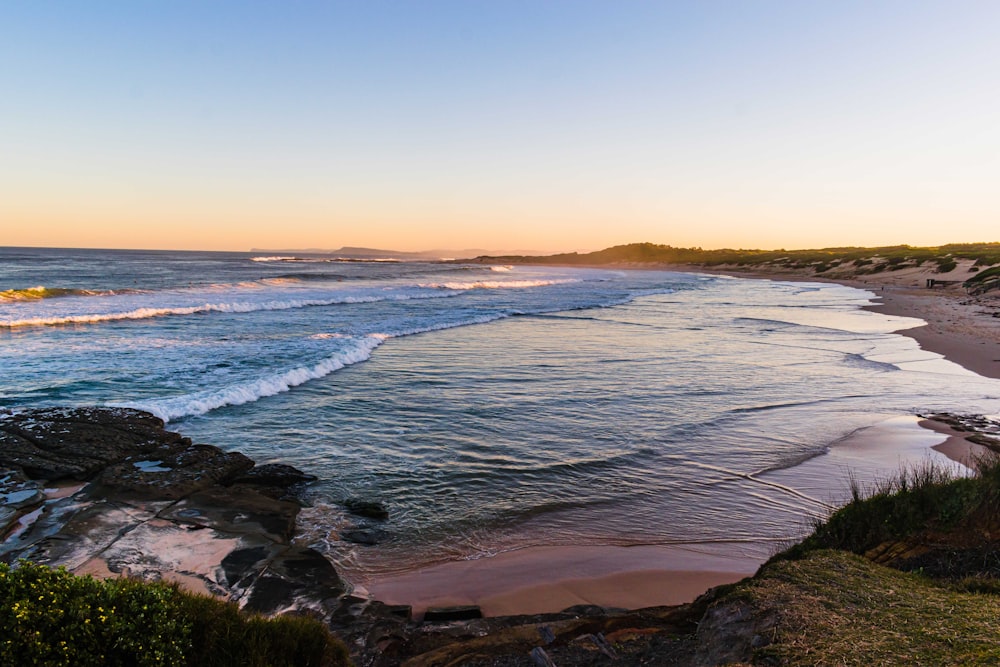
[493, 409]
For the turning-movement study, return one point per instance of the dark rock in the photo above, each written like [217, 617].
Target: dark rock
[176, 475]
[277, 475]
[403, 611]
[237, 510]
[367, 508]
[297, 573]
[55, 443]
[726, 633]
[240, 563]
[364, 536]
[585, 610]
[541, 658]
[442, 614]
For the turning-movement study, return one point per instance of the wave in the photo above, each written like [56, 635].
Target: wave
[498, 284]
[277, 258]
[235, 307]
[502, 269]
[201, 402]
[42, 292]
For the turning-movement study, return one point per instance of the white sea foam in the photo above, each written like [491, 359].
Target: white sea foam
[201, 402]
[502, 269]
[498, 284]
[234, 307]
[198, 403]
[275, 258]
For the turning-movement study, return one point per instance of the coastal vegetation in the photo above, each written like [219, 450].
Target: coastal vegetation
[906, 573]
[858, 260]
[51, 617]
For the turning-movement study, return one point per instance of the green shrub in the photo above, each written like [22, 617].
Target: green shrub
[917, 499]
[946, 265]
[983, 275]
[51, 617]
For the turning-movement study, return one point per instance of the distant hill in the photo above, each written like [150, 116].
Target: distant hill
[941, 262]
[984, 254]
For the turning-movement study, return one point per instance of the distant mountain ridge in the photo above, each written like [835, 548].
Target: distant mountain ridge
[354, 252]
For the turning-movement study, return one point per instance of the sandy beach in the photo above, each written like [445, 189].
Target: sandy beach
[547, 579]
[960, 328]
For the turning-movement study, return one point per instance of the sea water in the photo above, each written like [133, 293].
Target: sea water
[487, 407]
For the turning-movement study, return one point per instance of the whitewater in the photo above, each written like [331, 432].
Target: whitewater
[488, 407]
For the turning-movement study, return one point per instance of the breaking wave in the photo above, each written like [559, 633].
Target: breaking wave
[42, 292]
[200, 402]
[235, 307]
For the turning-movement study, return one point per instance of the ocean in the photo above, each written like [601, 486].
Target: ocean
[490, 408]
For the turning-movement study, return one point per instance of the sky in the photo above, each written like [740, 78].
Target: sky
[539, 125]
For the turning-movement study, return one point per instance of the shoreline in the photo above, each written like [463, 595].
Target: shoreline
[550, 579]
[963, 329]
[547, 579]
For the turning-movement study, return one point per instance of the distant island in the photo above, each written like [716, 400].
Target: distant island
[352, 252]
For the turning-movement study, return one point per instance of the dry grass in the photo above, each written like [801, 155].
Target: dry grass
[835, 608]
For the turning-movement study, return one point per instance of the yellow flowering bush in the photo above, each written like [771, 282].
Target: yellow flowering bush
[52, 617]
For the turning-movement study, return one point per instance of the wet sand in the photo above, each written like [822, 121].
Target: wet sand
[961, 328]
[549, 579]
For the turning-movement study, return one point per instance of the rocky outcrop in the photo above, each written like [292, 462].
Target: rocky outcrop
[60, 443]
[109, 491]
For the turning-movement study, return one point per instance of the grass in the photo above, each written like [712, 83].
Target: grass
[835, 608]
[918, 500]
[823, 602]
[51, 617]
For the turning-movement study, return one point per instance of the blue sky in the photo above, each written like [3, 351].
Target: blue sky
[503, 125]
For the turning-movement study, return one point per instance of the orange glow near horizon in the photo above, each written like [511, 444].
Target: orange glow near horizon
[497, 231]
[538, 127]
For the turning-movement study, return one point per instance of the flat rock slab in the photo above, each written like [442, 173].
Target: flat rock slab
[90, 529]
[175, 475]
[237, 510]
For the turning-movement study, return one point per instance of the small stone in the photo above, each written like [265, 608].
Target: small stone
[367, 508]
[365, 536]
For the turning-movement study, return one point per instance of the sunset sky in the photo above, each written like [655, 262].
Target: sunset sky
[531, 125]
